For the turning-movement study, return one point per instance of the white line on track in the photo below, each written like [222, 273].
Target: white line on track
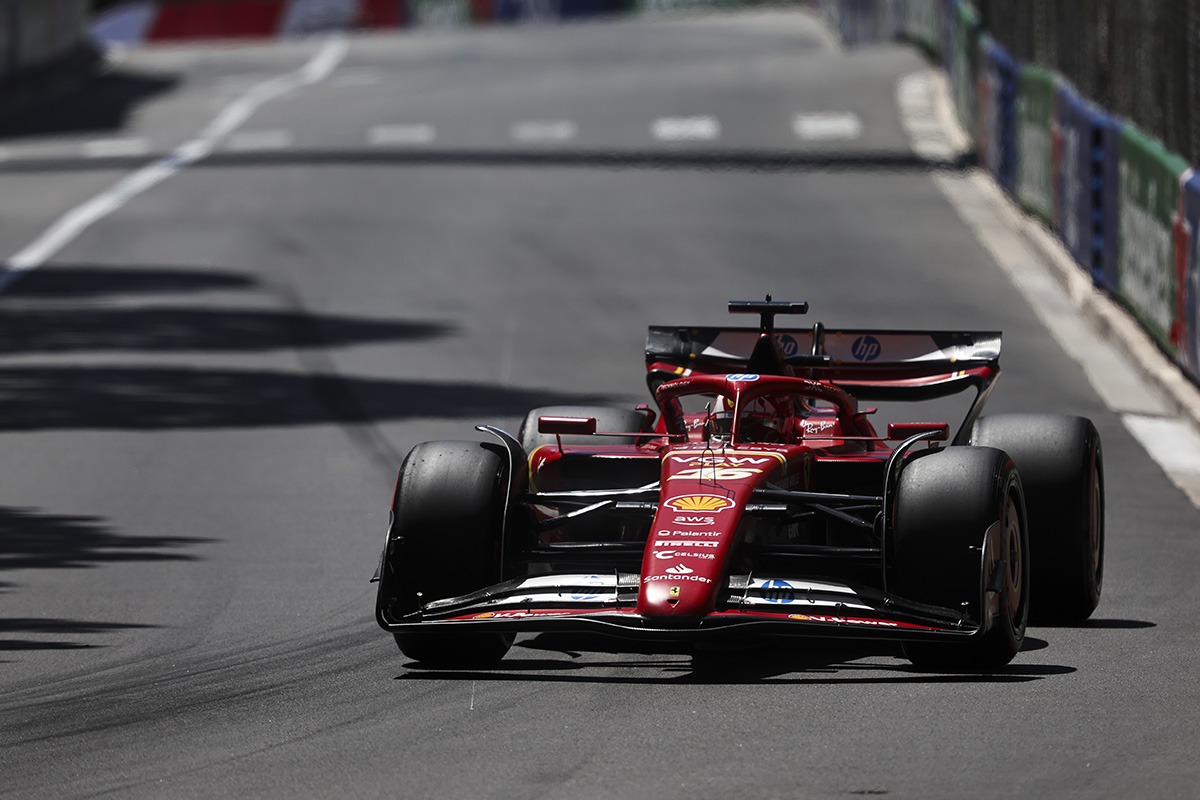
[401, 135]
[545, 131]
[682, 129]
[116, 148]
[827, 125]
[253, 141]
[63, 231]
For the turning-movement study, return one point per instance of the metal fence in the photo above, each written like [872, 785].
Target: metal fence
[1140, 59]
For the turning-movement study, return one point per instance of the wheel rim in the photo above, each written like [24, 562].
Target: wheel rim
[1014, 576]
[1096, 520]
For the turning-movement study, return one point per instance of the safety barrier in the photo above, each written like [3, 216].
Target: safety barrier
[995, 94]
[1147, 215]
[1126, 208]
[1033, 143]
[1084, 211]
[1188, 252]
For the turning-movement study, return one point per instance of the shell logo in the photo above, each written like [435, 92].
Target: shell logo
[699, 502]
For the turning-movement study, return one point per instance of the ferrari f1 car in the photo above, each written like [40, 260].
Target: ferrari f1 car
[756, 499]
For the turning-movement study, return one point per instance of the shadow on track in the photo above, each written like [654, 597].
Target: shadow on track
[99, 102]
[158, 398]
[666, 159]
[55, 310]
[57, 282]
[174, 329]
[31, 539]
[782, 663]
[55, 627]
[46, 311]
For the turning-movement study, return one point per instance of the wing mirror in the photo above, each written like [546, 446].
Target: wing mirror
[903, 430]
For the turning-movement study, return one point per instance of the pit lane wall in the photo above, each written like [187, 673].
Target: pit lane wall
[1125, 207]
[36, 36]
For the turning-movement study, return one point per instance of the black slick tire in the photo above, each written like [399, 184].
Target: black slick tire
[945, 503]
[1062, 470]
[447, 517]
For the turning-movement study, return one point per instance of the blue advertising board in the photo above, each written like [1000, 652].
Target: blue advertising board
[995, 123]
[1111, 190]
[1083, 195]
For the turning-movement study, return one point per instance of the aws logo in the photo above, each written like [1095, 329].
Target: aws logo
[709, 503]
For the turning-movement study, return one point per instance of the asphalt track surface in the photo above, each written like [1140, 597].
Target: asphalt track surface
[207, 392]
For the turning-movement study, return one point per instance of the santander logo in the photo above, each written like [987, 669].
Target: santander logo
[680, 569]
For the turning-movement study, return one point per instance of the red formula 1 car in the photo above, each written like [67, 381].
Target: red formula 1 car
[759, 499]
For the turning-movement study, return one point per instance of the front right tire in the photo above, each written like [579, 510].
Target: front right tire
[946, 500]
[444, 541]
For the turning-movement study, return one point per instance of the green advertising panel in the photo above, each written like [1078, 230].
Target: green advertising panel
[440, 13]
[1147, 204]
[1035, 152]
[965, 63]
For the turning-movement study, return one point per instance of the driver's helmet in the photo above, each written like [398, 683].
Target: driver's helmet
[768, 418]
[720, 419]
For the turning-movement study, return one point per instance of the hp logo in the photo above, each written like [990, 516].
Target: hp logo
[778, 592]
[866, 348]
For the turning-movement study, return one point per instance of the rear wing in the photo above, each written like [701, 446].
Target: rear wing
[868, 363]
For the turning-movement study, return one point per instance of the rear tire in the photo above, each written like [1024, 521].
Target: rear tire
[618, 420]
[445, 542]
[1062, 470]
[945, 502]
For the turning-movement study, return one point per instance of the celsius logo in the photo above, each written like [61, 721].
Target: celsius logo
[866, 348]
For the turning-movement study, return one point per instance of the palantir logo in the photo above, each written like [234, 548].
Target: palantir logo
[866, 348]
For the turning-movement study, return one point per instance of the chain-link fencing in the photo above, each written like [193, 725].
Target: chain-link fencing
[1140, 59]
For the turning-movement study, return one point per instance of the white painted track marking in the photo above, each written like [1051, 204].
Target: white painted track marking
[681, 129]
[116, 148]
[77, 220]
[1172, 443]
[252, 141]
[827, 125]
[401, 135]
[545, 131]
